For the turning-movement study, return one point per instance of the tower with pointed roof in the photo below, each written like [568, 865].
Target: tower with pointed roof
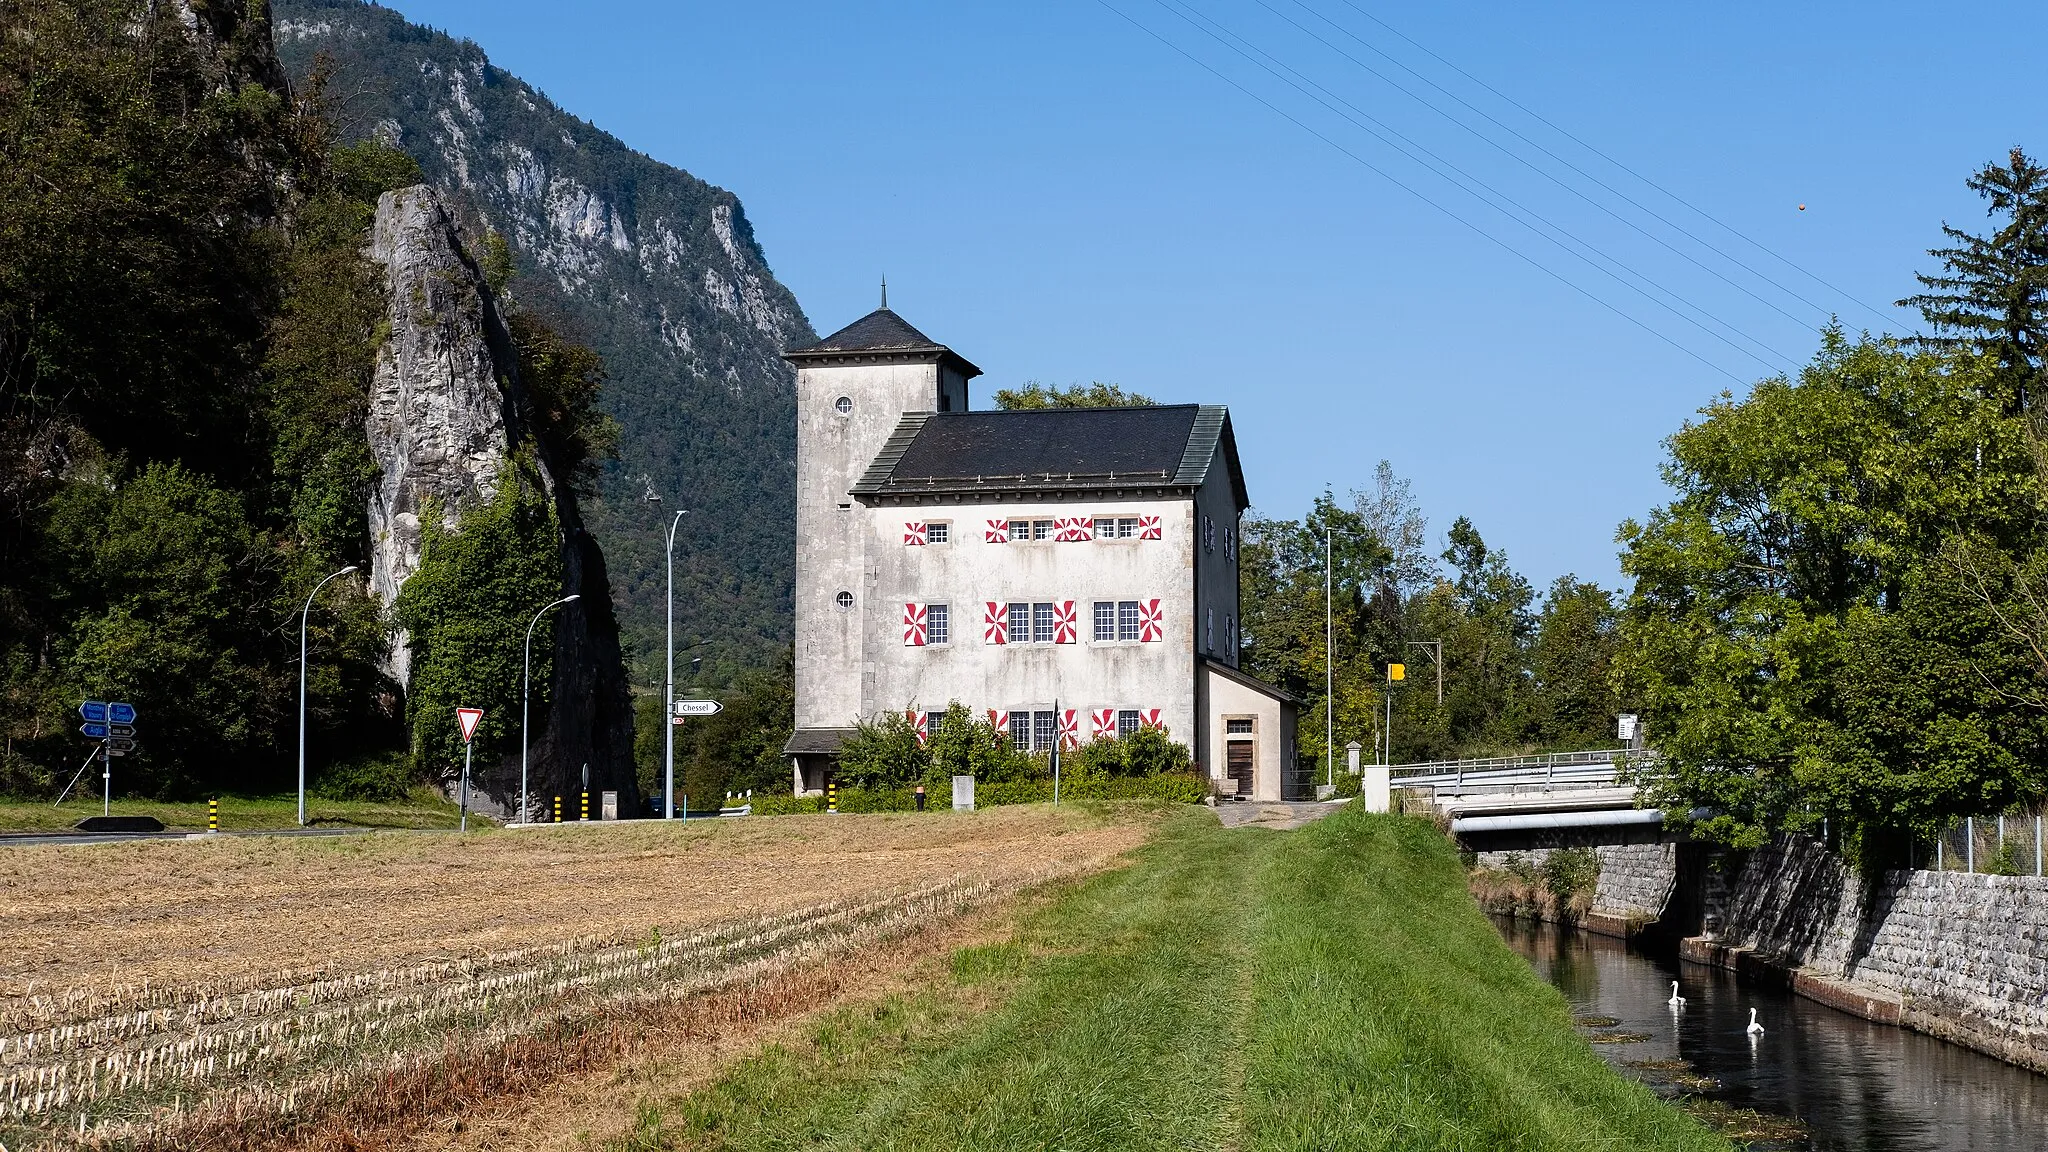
[1069, 573]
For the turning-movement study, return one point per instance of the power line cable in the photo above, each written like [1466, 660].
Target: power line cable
[1539, 118]
[1525, 162]
[1772, 361]
[1403, 186]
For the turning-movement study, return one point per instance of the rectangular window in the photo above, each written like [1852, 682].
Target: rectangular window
[1126, 721]
[938, 624]
[1041, 623]
[1208, 534]
[1020, 729]
[1237, 727]
[937, 532]
[1044, 730]
[1230, 636]
[1209, 630]
[1229, 544]
[1105, 621]
[1127, 620]
[1037, 623]
[1020, 623]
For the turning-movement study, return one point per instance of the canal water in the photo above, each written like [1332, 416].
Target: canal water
[1855, 1085]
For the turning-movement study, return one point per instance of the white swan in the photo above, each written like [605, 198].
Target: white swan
[1676, 1000]
[1754, 1029]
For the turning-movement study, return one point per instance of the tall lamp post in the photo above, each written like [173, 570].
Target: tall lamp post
[526, 693]
[303, 613]
[668, 687]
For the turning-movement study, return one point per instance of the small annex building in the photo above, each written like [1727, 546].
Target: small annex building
[1071, 573]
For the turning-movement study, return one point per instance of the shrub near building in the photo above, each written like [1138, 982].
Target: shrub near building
[883, 762]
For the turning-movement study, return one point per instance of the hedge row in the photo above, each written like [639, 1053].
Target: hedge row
[1176, 788]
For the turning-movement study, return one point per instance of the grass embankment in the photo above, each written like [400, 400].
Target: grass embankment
[423, 809]
[1330, 988]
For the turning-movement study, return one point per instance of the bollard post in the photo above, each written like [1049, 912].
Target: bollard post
[832, 796]
[213, 815]
[1941, 851]
[558, 809]
[586, 807]
[2037, 845]
[1970, 844]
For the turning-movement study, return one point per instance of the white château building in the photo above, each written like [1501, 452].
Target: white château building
[1070, 573]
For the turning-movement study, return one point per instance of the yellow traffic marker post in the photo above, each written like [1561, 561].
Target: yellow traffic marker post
[558, 809]
[1395, 674]
[832, 796]
[213, 815]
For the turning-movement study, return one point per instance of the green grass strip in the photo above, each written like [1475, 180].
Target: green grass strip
[1329, 988]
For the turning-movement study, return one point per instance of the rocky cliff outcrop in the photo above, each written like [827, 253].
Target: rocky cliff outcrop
[443, 427]
[657, 270]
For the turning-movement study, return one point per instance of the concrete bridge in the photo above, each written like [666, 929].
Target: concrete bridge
[1554, 800]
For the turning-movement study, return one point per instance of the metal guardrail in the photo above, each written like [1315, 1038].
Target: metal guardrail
[1606, 766]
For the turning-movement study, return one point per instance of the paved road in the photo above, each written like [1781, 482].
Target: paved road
[17, 839]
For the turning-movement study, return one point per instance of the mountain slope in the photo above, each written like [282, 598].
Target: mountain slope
[656, 269]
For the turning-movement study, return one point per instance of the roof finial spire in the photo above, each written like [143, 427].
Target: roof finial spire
[885, 290]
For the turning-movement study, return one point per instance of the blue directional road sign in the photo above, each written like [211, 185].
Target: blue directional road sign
[95, 731]
[94, 710]
[121, 713]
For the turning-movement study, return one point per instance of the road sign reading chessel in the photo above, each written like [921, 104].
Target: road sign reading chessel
[468, 718]
[697, 708]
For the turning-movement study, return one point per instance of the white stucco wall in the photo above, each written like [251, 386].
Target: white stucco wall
[832, 452]
[1272, 731]
[968, 572]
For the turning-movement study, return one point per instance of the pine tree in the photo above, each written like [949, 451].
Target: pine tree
[1993, 295]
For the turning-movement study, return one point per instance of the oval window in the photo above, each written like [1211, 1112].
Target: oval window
[843, 405]
[845, 600]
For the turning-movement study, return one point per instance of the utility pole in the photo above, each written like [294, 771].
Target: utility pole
[668, 704]
[1329, 665]
[303, 613]
[1437, 647]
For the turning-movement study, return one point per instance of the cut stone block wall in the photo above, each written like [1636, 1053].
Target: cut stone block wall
[1635, 879]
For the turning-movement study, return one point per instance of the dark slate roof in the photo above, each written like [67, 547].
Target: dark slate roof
[825, 741]
[1053, 450]
[879, 337]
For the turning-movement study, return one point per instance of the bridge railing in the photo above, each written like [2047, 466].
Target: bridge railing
[1605, 766]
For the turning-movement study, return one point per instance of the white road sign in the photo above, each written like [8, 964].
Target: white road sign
[697, 708]
[469, 718]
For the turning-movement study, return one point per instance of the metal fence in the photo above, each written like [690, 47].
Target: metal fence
[1998, 845]
[1607, 766]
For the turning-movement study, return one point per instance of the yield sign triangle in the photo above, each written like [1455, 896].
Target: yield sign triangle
[469, 718]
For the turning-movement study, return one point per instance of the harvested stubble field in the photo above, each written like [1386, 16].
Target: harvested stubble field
[278, 979]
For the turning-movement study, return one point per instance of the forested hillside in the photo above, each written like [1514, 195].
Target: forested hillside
[208, 383]
[656, 270]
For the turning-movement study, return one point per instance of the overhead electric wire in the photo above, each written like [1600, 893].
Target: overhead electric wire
[1541, 119]
[1403, 186]
[1547, 175]
[1773, 361]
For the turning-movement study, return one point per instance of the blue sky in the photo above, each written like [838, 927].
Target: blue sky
[1060, 196]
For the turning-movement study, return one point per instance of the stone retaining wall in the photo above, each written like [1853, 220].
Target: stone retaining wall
[1960, 956]
[1635, 879]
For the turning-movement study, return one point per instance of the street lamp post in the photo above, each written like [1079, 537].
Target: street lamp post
[303, 613]
[526, 694]
[668, 688]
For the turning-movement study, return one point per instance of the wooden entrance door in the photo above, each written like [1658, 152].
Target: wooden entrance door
[1237, 765]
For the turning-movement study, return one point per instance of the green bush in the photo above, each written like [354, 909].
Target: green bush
[1145, 752]
[779, 805]
[1569, 871]
[376, 777]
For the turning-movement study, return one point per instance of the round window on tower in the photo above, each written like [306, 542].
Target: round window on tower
[843, 405]
[845, 600]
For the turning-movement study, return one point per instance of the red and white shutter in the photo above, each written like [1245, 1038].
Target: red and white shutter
[995, 623]
[913, 532]
[922, 721]
[1151, 622]
[997, 532]
[1066, 629]
[999, 719]
[1073, 528]
[1070, 729]
[913, 625]
[1103, 721]
[1148, 527]
[1150, 718]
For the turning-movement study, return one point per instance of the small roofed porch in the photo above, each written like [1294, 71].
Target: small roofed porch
[812, 754]
[1246, 734]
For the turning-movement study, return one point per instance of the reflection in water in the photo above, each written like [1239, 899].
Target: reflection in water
[1856, 1085]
